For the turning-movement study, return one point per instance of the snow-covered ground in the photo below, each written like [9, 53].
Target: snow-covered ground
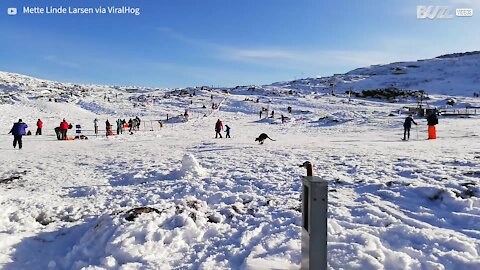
[232, 203]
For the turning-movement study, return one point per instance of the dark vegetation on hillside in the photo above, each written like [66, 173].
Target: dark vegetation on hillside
[453, 55]
[390, 93]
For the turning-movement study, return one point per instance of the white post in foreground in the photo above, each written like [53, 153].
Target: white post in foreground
[314, 221]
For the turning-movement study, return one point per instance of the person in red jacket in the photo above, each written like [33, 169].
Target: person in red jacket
[63, 129]
[39, 127]
[218, 128]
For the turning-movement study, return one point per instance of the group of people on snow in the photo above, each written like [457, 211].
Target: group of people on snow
[134, 124]
[432, 121]
[121, 124]
[62, 129]
[19, 128]
[219, 128]
[264, 111]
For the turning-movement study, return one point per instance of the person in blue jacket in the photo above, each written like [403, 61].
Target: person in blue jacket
[18, 130]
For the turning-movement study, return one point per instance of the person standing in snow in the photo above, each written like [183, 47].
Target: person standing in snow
[218, 128]
[108, 128]
[39, 127]
[227, 131]
[95, 125]
[138, 122]
[407, 125]
[18, 130]
[432, 120]
[119, 126]
[63, 129]
[58, 133]
[130, 125]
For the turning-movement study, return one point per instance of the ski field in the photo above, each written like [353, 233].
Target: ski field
[233, 203]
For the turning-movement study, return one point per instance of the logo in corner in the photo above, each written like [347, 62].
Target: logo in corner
[434, 12]
[12, 11]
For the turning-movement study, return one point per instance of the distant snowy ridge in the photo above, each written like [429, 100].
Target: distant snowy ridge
[453, 74]
[14, 86]
[452, 55]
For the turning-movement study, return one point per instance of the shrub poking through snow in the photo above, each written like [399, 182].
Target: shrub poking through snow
[438, 195]
[470, 191]
[132, 214]
[388, 93]
[214, 218]
[9, 179]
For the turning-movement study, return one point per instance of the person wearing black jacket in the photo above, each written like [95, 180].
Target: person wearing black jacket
[58, 133]
[227, 131]
[407, 125]
[108, 128]
[130, 125]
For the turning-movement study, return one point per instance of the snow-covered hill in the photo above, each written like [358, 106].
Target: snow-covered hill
[174, 197]
[452, 75]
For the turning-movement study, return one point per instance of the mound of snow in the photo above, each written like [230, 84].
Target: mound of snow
[268, 121]
[114, 241]
[190, 166]
[177, 119]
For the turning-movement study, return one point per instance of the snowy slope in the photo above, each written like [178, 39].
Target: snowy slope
[454, 75]
[232, 203]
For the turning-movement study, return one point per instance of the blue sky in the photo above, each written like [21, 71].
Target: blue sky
[176, 43]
